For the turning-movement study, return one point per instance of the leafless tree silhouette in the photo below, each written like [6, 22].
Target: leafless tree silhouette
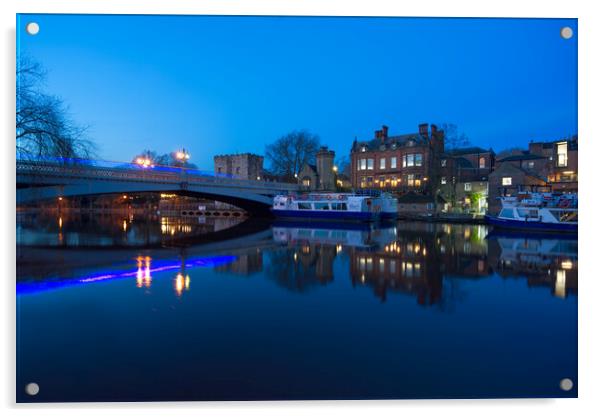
[287, 156]
[43, 126]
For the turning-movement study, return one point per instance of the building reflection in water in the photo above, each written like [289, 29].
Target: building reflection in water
[111, 229]
[425, 260]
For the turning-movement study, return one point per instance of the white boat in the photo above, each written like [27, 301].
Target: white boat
[545, 212]
[336, 206]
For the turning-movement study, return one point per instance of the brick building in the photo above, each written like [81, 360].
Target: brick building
[401, 163]
[545, 166]
[464, 177]
[246, 166]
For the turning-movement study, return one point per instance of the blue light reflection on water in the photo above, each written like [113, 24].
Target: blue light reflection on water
[316, 314]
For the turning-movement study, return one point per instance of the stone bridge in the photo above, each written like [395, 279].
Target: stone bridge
[49, 180]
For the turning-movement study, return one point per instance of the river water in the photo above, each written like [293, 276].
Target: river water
[133, 308]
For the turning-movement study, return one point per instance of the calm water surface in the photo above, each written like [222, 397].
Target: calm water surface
[113, 309]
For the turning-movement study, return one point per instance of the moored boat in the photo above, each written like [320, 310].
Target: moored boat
[336, 206]
[542, 212]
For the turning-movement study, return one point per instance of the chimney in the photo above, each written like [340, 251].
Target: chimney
[385, 131]
[423, 130]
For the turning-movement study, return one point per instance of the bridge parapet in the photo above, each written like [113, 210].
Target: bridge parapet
[131, 172]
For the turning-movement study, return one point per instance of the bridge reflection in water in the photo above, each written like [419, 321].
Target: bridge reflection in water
[420, 259]
[292, 311]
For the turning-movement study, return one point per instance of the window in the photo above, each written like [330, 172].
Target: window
[369, 180]
[383, 163]
[363, 149]
[531, 164]
[410, 180]
[359, 164]
[562, 154]
[444, 162]
[381, 180]
[363, 182]
[443, 180]
[482, 162]
[304, 206]
[412, 159]
[507, 181]
[418, 159]
[393, 162]
[238, 170]
[219, 170]
[370, 163]
[306, 182]
[467, 186]
[339, 206]
[321, 206]
[362, 164]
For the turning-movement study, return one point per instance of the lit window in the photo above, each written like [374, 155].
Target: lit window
[306, 182]
[393, 162]
[370, 163]
[359, 164]
[363, 149]
[507, 181]
[444, 162]
[409, 160]
[443, 180]
[410, 180]
[531, 164]
[562, 154]
[362, 164]
[383, 163]
[482, 162]
[467, 186]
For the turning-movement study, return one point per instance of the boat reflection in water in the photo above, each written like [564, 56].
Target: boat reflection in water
[474, 315]
[543, 261]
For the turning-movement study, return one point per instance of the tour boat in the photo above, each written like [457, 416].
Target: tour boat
[336, 206]
[544, 212]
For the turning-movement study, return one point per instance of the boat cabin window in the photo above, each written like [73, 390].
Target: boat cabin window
[339, 206]
[528, 213]
[565, 215]
[304, 206]
[508, 213]
[321, 206]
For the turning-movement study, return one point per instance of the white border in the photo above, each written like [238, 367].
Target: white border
[590, 70]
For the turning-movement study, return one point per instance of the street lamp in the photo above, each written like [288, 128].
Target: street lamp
[335, 168]
[182, 155]
[144, 162]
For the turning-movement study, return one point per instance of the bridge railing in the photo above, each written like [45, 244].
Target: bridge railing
[98, 170]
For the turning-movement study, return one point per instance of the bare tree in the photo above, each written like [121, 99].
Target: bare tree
[453, 138]
[287, 156]
[344, 166]
[43, 127]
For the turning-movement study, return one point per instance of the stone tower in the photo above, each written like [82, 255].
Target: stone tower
[325, 170]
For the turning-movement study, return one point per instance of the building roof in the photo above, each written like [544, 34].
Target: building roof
[467, 151]
[463, 162]
[390, 142]
[522, 157]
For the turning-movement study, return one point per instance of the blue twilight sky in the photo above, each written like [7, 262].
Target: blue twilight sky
[218, 84]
